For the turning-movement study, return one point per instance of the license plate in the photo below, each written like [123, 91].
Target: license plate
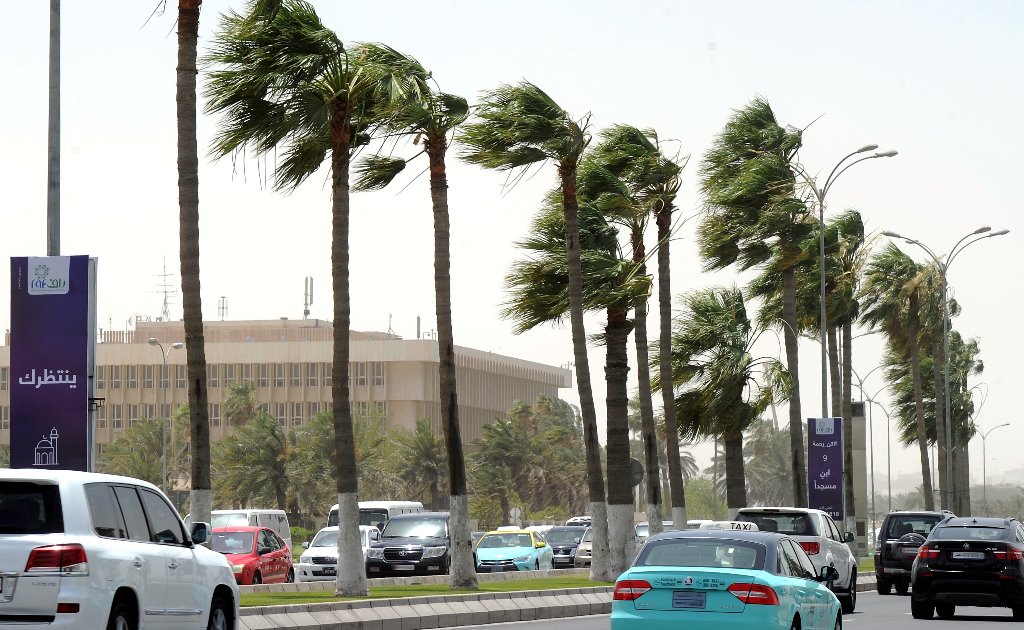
[404, 567]
[330, 571]
[910, 551]
[688, 599]
[968, 555]
[497, 568]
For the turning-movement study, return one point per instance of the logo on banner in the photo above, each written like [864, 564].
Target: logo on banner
[50, 275]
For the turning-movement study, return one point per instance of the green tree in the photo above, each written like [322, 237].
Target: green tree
[767, 464]
[520, 126]
[135, 452]
[311, 468]
[423, 465]
[240, 406]
[251, 465]
[751, 212]
[704, 500]
[284, 83]
[5, 455]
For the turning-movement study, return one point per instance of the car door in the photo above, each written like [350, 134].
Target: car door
[842, 557]
[147, 560]
[283, 555]
[187, 597]
[270, 561]
[813, 603]
[798, 589]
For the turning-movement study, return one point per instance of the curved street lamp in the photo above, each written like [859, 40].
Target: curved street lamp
[819, 195]
[943, 266]
[164, 380]
[888, 446]
[871, 437]
[984, 460]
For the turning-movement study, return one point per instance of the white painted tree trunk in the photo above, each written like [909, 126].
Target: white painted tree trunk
[351, 565]
[679, 517]
[654, 519]
[463, 572]
[620, 538]
[200, 505]
[600, 570]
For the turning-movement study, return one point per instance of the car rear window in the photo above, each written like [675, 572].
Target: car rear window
[30, 508]
[789, 523]
[970, 533]
[702, 552]
[910, 524]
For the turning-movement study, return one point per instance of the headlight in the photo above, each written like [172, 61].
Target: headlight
[237, 568]
[522, 559]
[304, 559]
[377, 553]
[434, 552]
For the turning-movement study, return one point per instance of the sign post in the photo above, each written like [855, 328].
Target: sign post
[825, 480]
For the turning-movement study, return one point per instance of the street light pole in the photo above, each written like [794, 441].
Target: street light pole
[888, 448]
[819, 195]
[164, 378]
[984, 461]
[943, 268]
[871, 438]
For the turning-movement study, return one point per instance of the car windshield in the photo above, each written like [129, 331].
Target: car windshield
[229, 520]
[910, 524]
[702, 552]
[232, 542]
[789, 523]
[415, 528]
[327, 538]
[564, 536]
[494, 541]
[970, 532]
[589, 536]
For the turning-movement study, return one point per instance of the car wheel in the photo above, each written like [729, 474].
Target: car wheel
[257, 578]
[796, 624]
[902, 588]
[849, 602]
[883, 587]
[921, 610]
[945, 611]
[220, 614]
[122, 617]
[291, 576]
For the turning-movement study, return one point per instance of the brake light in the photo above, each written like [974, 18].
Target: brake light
[811, 547]
[927, 553]
[628, 590]
[67, 608]
[1011, 554]
[754, 593]
[62, 559]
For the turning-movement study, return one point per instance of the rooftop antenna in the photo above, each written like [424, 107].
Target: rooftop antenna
[391, 331]
[168, 289]
[308, 297]
[222, 307]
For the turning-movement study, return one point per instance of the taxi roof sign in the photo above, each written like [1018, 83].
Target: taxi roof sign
[742, 526]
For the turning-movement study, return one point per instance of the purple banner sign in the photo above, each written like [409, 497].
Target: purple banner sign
[49, 362]
[825, 466]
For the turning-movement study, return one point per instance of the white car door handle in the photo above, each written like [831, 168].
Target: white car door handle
[137, 563]
[171, 564]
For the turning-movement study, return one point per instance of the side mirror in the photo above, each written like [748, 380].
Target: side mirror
[848, 538]
[576, 540]
[262, 550]
[540, 545]
[200, 532]
[305, 545]
[828, 574]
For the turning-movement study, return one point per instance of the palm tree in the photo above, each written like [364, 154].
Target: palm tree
[240, 406]
[311, 467]
[433, 117]
[283, 80]
[201, 498]
[890, 297]
[767, 464]
[749, 190]
[135, 452]
[424, 466]
[520, 126]
[251, 465]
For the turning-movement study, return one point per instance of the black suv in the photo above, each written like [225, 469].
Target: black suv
[564, 540]
[899, 537]
[411, 544]
[969, 562]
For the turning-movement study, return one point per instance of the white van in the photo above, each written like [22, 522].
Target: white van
[276, 520]
[377, 513]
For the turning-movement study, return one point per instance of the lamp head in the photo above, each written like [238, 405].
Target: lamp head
[153, 341]
[999, 232]
[886, 153]
[177, 344]
[867, 147]
[891, 234]
[982, 230]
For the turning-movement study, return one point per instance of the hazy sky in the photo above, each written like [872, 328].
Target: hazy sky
[937, 81]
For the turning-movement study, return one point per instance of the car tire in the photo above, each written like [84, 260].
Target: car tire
[902, 588]
[796, 624]
[220, 615]
[922, 610]
[257, 578]
[122, 616]
[945, 611]
[883, 587]
[291, 577]
[849, 600]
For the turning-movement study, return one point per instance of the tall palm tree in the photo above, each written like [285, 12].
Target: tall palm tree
[749, 189]
[284, 81]
[251, 465]
[519, 126]
[767, 464]
[201, 499]
[432, 118]
[890, 299]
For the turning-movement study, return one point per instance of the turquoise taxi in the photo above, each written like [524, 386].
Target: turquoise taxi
[725, 575]
[513, 550]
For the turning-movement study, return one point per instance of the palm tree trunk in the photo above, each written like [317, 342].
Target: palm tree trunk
[643, 368]
[851, 508]
[351, 568]
[463, 571]
[940, 425]
[835, 388]
[796, 423]
[620, 493]
[201, 499]
[922, 434]
[735, 477]
[595, 479]
[663, 218]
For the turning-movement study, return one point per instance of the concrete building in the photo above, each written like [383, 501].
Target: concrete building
[290, 363]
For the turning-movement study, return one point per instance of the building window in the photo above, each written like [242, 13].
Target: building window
[262, 375]
[101, 377]
[327, 374]
[378, 372]
[151, 412]
[295, 374]
[214, 414]
[312, 379]
[229, 374]
[147, 376]
[360, 373]
[115, 377]
[296, 414]
[360, 408]
[165, 411]
[133, 414]
[133, 377]
[180, 376]
[246, 372]
[117, 416]
[279, 375]
[5, 418]
[380, 408]
[165, 372]
[264, 408]
[314, 408]
[101, 423]
[213, 378]
[281, 413]
[5, 377]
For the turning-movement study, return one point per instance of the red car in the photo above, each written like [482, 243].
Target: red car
[257, 554]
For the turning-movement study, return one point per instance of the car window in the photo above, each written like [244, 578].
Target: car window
[131, 509]
[1020, 533]
[789, 523]
[264, 541]
[106, 517]
[702, 552]
[276, 541]
[804, 560]
[791, 562]
[902, 524]
[164, 525]
[969, 533]
[834, 529]
[30, 508]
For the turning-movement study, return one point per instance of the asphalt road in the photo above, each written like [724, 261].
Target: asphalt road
[891, 612]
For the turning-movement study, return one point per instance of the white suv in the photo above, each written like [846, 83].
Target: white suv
[85, 550]
[818, 534]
